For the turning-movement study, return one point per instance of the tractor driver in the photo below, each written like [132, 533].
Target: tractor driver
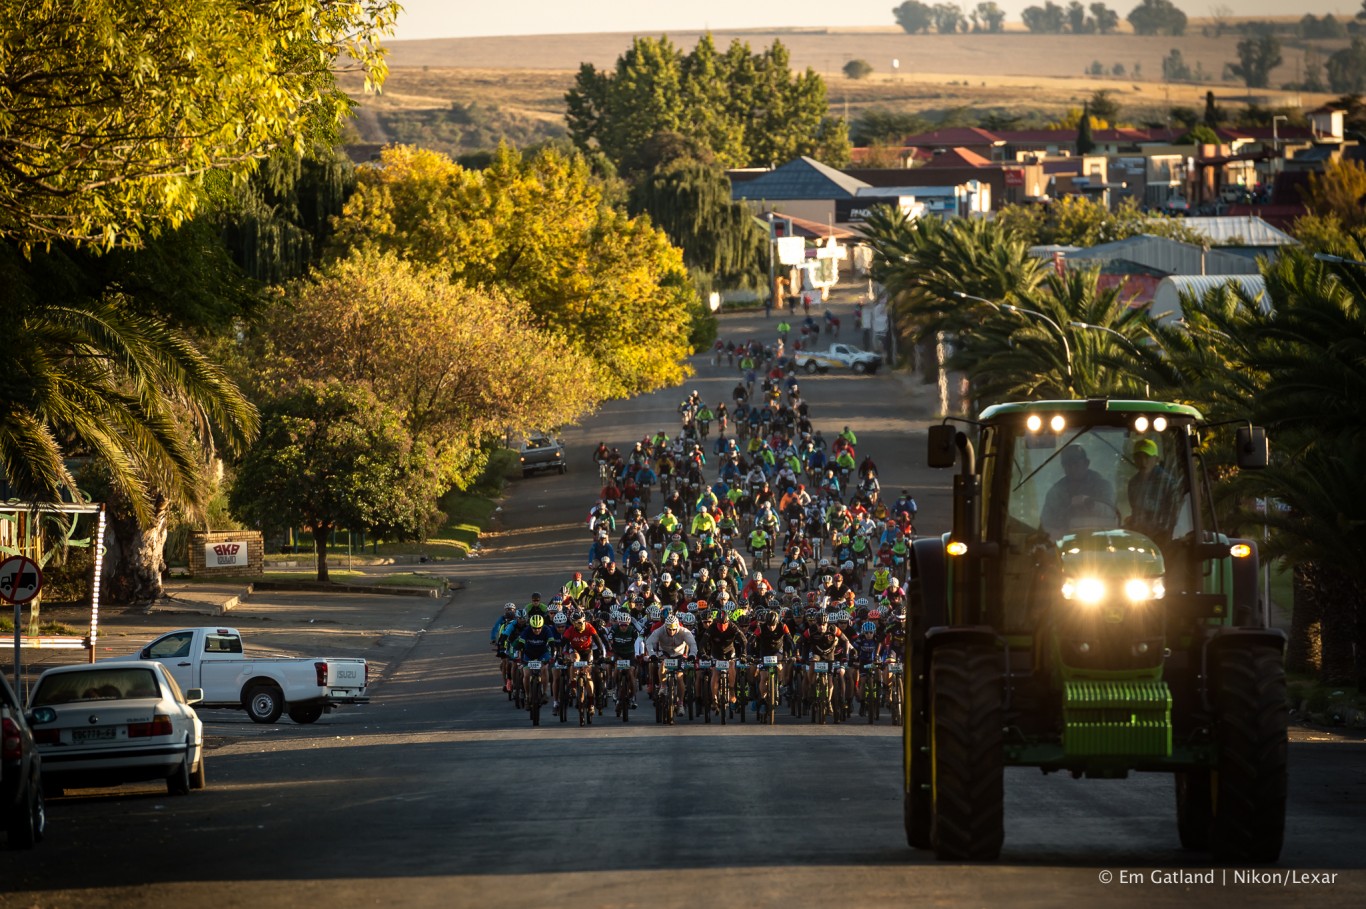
[1081, 499]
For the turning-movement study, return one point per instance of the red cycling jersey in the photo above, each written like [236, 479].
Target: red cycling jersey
[582, 641]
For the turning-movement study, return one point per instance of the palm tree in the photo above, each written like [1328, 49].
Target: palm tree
[93, 379]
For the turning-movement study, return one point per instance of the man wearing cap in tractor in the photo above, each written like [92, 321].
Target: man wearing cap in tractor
[1081, 500]
[1152, 493]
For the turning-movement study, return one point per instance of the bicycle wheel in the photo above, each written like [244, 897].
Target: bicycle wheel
[624, 695]
[723, 697]
[534, 701]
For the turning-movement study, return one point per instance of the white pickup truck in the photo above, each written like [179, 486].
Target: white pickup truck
[839, 356]
[212, 659]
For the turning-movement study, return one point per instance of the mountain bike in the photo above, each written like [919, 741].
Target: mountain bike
[871, 690]
[896, 702]
[669, 692]
[822, 692]
[534, 695]
[625, 690]
[769, 678]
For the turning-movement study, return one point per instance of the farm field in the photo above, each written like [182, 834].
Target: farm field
[515, 85]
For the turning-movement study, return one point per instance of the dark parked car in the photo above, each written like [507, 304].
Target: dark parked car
[542, 453]
[21, 779]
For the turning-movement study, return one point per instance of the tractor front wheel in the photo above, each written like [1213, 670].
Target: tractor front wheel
[967, 749]
[1249, 813]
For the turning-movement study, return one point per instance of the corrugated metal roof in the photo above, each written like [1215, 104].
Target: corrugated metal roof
[1167, 298]
[800, 178]
[1249, 229]
[1169, 256]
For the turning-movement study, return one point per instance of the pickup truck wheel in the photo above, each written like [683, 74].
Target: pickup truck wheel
[265, 703]
[860, 368]
[305, 715]
[178, 783]
[811, 367]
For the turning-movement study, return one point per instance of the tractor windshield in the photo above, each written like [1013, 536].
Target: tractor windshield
[1100, 478]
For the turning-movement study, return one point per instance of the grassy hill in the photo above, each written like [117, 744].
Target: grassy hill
[462, 94]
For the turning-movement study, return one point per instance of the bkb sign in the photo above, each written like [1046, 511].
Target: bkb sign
[225, 555]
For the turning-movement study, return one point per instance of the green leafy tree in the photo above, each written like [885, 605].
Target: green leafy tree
[1157, 17]
[539, 228]
[458, 365]
[335, 456]
[914, 16]
[1346, 68]
[1085, 143]
[1104, 106]
[1214, 116]
[1048, 19]
[991, 17]
[949, 18]
[1106, 19]
[691, 202]
[1199, 134]
[112, 111]
[1078, 23]
[880, 126]
[858, 69]
[1257, 57]
[1175, 68]
[747, 108]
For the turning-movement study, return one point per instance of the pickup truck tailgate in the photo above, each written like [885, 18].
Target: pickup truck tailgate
[347, 679]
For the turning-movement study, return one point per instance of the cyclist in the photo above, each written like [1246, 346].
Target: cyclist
[868, 654]
[504, 630]
[601, 549]
[759, 543]
[626, 643]
[584, 639]
[756, 587]
[722, 640]
[824, 642]
[669, 641]
[536, 641]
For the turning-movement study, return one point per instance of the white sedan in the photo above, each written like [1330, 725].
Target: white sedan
[123, 721]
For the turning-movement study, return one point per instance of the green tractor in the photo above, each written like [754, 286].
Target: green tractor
[1086, 615]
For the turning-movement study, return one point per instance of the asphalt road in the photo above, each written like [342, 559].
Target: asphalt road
[440, 794]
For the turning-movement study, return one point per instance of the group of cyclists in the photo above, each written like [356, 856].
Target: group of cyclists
[678, 596]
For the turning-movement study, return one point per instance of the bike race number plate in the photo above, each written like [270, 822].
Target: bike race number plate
[671, 664]
[896, 669]
[580, 664]
[821, 667]
[770, 661]
[722, 664]
[704, 664]
[623, 664]
[534, 665]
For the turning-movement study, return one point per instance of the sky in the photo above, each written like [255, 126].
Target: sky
[455, 19]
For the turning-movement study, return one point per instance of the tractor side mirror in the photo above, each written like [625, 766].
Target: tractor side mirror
[1254, 453]
[942, 445]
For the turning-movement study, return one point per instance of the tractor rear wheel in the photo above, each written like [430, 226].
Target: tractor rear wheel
[967, 746]
[1249, 816]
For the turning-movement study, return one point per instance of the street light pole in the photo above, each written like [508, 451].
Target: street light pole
[1131, 345]
[1008, 307]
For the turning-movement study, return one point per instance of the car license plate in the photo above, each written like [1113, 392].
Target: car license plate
[92, 735]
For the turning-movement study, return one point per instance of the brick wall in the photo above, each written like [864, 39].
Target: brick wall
[251, 539]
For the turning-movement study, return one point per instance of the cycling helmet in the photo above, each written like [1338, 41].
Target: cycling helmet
[825, 580]
[623, 618]
[822, 617]
[758, 575]
[688, 619]
[843, 616]
[848, 565]
[665, 578]
[702, 572]
[894, 583]
[535, 596]
[874, 615]
[861, 602]
[509, 608]
[654, 613]
[671, 623]
[789, 590]
[521, 613]
[536, 621]
[812, 613]
[561, 620]
[771, 620]
[869, 628]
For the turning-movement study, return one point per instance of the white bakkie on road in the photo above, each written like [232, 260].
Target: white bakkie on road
[303, 687]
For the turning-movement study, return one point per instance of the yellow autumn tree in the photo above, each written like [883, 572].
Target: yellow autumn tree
[539, 229]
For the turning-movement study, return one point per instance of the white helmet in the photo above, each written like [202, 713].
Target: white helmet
[843, 616]
[758, 575]
[561, 619]
[861, 602]
[789, 590]
[665, 578]
[848, 565]
[654, 613]
[895, 583]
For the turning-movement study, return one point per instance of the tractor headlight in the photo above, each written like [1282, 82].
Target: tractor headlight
[1087, 591]
[1139, 590]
